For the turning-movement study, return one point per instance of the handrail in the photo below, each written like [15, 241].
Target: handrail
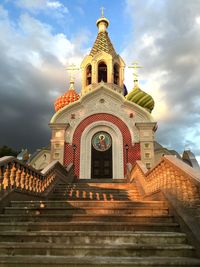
[16, 175]
[170, 175]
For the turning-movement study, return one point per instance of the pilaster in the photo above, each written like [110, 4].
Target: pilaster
[58, 141]
[146, 136]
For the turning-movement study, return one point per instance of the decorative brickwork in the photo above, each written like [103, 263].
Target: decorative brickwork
[170, 175]
[133, 151]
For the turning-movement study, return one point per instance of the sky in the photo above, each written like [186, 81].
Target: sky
[40, 38]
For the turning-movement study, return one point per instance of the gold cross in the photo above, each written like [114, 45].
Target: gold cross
[135, 66]
[102, 12]
[71, 69]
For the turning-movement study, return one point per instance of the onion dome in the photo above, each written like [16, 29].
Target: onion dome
[141, 98]
[69, 97]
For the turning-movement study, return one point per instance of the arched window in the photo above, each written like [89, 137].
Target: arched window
[102, 72]
[116, 74]
[89, 75]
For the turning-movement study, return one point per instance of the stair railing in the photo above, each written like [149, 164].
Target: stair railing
[16, 175]
[171, 176]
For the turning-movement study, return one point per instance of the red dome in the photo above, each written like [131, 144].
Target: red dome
[67, 98]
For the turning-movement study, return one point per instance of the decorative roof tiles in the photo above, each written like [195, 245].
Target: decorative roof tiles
[103, 43]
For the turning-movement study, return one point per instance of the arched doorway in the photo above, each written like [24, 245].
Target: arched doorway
[102, 72]
[86, 148]
[101, 155]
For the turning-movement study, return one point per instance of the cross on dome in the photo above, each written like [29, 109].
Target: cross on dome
[102, 11]
[102, 22]
[135, 66]
[71, 70]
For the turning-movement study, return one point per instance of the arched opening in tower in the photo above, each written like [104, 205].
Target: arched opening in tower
[88, 75]
[102, 72]
[116, 74]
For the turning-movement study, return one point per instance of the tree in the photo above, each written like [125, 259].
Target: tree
[7, 151]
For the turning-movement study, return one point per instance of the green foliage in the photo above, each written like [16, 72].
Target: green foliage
[7, 151]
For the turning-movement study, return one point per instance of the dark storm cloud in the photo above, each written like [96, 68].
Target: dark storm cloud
[166, 39]
[32, 75]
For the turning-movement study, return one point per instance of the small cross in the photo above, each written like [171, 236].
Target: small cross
[135, 66]
[71, 69]
[102, 12]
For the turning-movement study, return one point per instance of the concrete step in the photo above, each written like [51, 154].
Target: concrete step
[44, 261]
[135, 211]
[91, 198]
[84, 218]
[99, 188]
[109, 181]
[96, 189]
[94, 197]
[88, 226]
[99, 185]
[120, 250]
[85, 204]
[96, 192]
[95, 237]
[83, 195]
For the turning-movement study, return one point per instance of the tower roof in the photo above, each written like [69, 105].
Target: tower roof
[102, 42]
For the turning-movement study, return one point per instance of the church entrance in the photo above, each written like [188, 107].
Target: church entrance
[101, 150]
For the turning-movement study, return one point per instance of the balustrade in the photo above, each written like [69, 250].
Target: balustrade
[172, 176]
[16, 175]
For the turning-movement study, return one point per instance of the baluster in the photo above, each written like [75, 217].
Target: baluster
[13, 175]
[6, 178]
[37, 184]
[44, 184]
[34, 183]
[23, 175]
[27, 180]
[40, 185]
[18, 176]
[31, 181]
[1, 178]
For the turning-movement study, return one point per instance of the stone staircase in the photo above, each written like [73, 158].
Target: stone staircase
[93, 224]
[94, 190]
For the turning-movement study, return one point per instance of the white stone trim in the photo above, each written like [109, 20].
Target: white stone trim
[117, 148]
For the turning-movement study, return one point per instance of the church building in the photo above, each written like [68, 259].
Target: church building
[102, 129]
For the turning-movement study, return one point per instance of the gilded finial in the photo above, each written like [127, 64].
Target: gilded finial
[102, 22]
[102, 12]
[135, 66]
[71, 70]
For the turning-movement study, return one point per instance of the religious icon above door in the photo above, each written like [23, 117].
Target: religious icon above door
[101, 141]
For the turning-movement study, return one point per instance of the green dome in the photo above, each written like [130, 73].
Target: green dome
[141, 98]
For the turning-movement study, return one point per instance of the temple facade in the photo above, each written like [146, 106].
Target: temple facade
[103, 128]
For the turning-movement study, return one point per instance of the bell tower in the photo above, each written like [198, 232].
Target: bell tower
[103, 64]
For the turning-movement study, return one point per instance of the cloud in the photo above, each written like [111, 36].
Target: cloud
[57, 5]
[51, 8]
[32, 74]
[165, 39]
[36, 4]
